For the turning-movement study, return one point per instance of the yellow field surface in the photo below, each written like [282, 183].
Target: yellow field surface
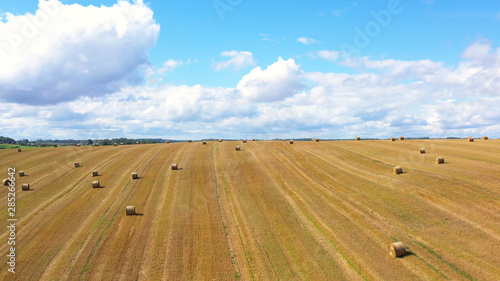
[305, 211]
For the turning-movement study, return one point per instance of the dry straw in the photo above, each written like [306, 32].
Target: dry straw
[6, 182]
[26, 186]
[401, 138]
[130, 210]
[398, 170]
[175, 167]
[291, 141]
[238, 148]
[393, 139]
[471, 139]
[484, 137]
[135, 176]
[94, 173]
[422, 151]
[439, 160]
[397, 249]
[358, 138]
[21, 173]
[96, 184]
[76, 164]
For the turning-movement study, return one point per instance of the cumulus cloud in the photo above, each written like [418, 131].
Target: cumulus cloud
[238, 60]
[306, 40]
[63, 52]
[279, 81]
[328, 55]
[382, 98]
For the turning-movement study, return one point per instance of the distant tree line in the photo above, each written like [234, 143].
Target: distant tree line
[7, 140]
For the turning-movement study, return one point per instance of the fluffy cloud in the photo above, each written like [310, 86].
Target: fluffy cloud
[63, 52]
[238, 60]
[328, 55]
[382, 98]
[279, 81]
[306, 40]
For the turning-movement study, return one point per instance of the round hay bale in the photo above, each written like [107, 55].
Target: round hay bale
[26, 186]
[168, 141]
[398, 170]
[220, 140]
[121, 143]
[96, 144]
[439, 160]
[291, 141]
[238, 148]
[204, 142]
[393, 139]
[115, 144]
[135, 176]
[484, 137]
[244, 141]
[6, 182]
[421, 150]
[130, 210]
[401, 138]
[76, 164]
[175, 167]
[316, 140]
[190, 141]
[358, 138]
[18, 150]
[96, 184]
[78, 145]
[397, 249]
[283, 140]
[136, 142]
[253, 139]
[471, 139]
[21, 173]
[94, 173]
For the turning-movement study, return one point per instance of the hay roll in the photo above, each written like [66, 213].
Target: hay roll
[115, 144]
[94, 173]
[220, 140]
[244, 141]
[130, 210]
[175, 167]
[121, 143]
[439, 160]
[291, 141]
[76, 164]
[397, 249]
[18, 150]
[78, 145]
[21, 173]
[204, 142]
[238, 148]
[401, 138]
[421, 150]
[484, 137]
[393, 139]
[253, 139]
[6, 182]
[398, 170]
[135, 176]
[316, 140]
[136, 142]
[471, 139]
[26, 186]
[358, 138]
[190, 141]
[96, 184]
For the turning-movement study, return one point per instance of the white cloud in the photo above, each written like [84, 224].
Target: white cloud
[328, 55]
[238, 60]
[63, 52]
[279, 81]
[306, 41]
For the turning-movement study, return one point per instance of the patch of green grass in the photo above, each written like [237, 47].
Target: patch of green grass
[13, 146]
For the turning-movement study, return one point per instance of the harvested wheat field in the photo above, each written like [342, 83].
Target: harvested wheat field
[315, 211]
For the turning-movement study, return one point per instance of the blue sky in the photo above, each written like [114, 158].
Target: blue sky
[195, 69]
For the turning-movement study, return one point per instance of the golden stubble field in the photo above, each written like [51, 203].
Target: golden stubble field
[274, 210]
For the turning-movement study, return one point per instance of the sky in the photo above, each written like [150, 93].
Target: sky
[249, 69]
